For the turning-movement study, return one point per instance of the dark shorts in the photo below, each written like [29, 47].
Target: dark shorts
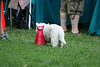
[70, 6]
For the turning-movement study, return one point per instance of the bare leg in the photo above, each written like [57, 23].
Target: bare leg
[2, 34]
[74, 24]
[63, 19]
[1, 30]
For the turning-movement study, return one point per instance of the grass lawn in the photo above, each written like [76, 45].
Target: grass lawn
[20, 51]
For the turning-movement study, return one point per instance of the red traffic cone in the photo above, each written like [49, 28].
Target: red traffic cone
[3, 17]
[39, 36]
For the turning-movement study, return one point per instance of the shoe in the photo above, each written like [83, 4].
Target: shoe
[4, 36]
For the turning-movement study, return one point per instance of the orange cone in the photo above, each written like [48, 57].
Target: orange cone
[3, 17]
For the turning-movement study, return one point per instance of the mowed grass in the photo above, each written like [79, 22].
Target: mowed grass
[20, 51]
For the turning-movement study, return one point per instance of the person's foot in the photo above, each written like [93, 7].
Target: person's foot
[4, 36]
[65, 31]
[76, 33]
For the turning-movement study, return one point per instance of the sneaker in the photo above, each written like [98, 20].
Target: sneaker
[4, 36]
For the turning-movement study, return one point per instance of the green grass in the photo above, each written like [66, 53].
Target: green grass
[20, 51]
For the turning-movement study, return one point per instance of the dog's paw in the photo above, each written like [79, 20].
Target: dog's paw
[54, 45]
[61, 46]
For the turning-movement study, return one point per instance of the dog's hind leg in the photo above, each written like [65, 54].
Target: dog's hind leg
[61, 37]
[60, 44]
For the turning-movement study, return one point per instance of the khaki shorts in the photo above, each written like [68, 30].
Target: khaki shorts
[70, 7]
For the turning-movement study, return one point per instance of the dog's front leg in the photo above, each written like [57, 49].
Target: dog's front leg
[54, 42]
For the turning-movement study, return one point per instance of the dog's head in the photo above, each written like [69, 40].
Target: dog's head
[41, 24]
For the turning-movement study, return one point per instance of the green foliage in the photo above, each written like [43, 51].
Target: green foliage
[20, 51]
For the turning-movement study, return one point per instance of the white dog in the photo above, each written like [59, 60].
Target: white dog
[53, 34]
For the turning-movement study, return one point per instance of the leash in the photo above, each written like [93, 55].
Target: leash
[76, 9]
[31, 17]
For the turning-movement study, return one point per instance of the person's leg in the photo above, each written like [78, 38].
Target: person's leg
[74, 24]
[75, 8]
[63, 19]
[63, 14]
[2, 33]
[1, 30]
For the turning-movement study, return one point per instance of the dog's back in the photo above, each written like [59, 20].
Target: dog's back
[54, 30]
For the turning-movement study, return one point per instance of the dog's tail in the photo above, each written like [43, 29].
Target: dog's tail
[63, 41]
[61, 38]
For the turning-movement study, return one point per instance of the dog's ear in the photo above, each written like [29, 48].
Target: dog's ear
[48, 24]
[37, 24]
